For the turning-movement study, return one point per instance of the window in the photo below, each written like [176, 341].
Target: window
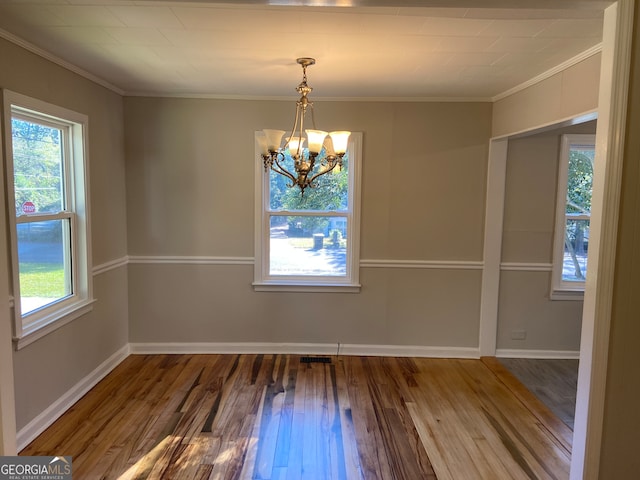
[46, 177]
[573, 213]
[309, 242]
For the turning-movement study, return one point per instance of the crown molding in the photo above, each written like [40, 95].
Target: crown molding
[58, 61]
[550, 73]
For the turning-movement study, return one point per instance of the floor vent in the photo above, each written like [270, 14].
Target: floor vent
[315, 360]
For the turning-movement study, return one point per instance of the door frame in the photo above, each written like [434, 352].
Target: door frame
[598, 298]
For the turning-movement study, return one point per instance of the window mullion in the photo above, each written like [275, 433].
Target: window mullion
[43, 218]
[582, 216]
[309, 213]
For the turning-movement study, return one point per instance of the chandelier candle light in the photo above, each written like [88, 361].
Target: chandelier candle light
[312, 165]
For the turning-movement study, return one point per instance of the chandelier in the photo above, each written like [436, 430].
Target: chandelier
[323, 153]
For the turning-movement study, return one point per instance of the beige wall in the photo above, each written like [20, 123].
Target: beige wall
[528, 228]
[47, 368]
[190, 166]
[530, 198]
[530, 194]
[190, 189]
[565, 95]
[621, 435]
[550, 325]
[205, 303]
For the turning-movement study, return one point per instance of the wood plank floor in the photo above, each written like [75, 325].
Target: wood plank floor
[553, 381]
[291, 417]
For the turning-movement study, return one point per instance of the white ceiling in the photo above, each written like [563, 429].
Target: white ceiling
[248, 48]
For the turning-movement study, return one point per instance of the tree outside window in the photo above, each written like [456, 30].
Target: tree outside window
[575, 184]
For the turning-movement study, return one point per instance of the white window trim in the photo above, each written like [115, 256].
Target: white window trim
[561, 290]
[48, 319]
[351, 284]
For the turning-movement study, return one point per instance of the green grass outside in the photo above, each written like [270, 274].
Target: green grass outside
[42, 280]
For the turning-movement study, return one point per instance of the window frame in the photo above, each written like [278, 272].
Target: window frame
[561, 289]
[74, 126]
[308, 283]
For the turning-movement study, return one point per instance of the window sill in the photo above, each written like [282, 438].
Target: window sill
[575, 295]
[52, 322]
[306, 287]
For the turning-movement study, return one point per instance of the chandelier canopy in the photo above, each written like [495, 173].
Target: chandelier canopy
[324, 150]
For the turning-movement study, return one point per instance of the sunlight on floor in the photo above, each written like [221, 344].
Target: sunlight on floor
[146, 462]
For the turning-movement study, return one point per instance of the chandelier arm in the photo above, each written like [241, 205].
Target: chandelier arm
[333, 164]
[283, 171]
[278, 168]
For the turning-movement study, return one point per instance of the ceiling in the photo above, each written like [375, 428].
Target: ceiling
[407, 49]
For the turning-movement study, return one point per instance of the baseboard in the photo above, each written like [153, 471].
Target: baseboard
[36, 426]
[306, 349]
[232, 347]
[542, 354]
[409, 351]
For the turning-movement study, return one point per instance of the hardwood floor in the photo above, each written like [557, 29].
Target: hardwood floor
[554, 382]
[290, 417]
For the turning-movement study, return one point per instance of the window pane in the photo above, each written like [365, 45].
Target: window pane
[576, 245]
[37, 164]
[308, 245]
[332, 192]
[44, 262]
[580, 179]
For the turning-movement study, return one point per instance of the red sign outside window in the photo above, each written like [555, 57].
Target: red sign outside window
[28, 207]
